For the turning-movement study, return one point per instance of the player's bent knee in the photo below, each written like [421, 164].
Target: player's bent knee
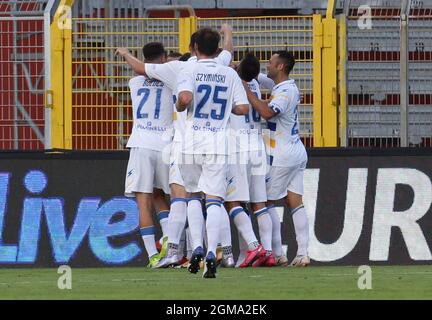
[178, 191]
[257, 206]
[211, 197]
[158, 193]
[231, 205]
[293, 200]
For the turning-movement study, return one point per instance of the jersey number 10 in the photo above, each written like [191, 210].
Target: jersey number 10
[255, 115]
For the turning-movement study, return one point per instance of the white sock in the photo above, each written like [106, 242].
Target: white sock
[148, 237]
[176, 220]
[301, 226]
[265, 228]
[163, 221]
[243, 247]
[214, 213]
[244, 226]
[204, 232]
[196, 222]
[276, 233]
[225, 232]
[189, 243]
[182, 244]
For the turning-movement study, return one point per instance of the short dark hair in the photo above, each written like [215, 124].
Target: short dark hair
[153, 51]
[193, 40]
[288, 59]
[174, 54]
[185, 57]
[207, 41]
[249, 67]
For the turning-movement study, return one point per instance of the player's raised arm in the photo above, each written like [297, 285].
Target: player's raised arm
[225, 56]
[259, 105]
[137, 65]
[226, 31]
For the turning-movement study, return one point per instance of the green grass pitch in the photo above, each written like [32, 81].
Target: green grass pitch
[389, 282]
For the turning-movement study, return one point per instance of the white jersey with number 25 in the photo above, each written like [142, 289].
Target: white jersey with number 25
[216, 90]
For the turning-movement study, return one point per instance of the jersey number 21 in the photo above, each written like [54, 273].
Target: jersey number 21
[145, 93]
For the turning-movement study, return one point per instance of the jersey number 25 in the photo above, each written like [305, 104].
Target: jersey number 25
[214, 114]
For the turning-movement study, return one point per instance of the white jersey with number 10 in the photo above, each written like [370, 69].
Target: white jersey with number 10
[246, 130]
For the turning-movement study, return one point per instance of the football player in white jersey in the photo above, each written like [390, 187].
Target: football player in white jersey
[184, 242]
[267, 83]
[287, 154]
[224, 57]
[209, 92]
[147, 174]
[180, 199]
[246, 175]
[167, 74]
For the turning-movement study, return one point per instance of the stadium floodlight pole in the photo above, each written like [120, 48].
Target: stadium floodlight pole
[404, 74]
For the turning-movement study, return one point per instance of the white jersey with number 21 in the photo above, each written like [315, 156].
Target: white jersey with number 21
[152, 114]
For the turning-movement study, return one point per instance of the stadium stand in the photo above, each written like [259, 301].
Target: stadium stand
[100, 112]
[22, 66]
[105, 84]
[374, 76]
